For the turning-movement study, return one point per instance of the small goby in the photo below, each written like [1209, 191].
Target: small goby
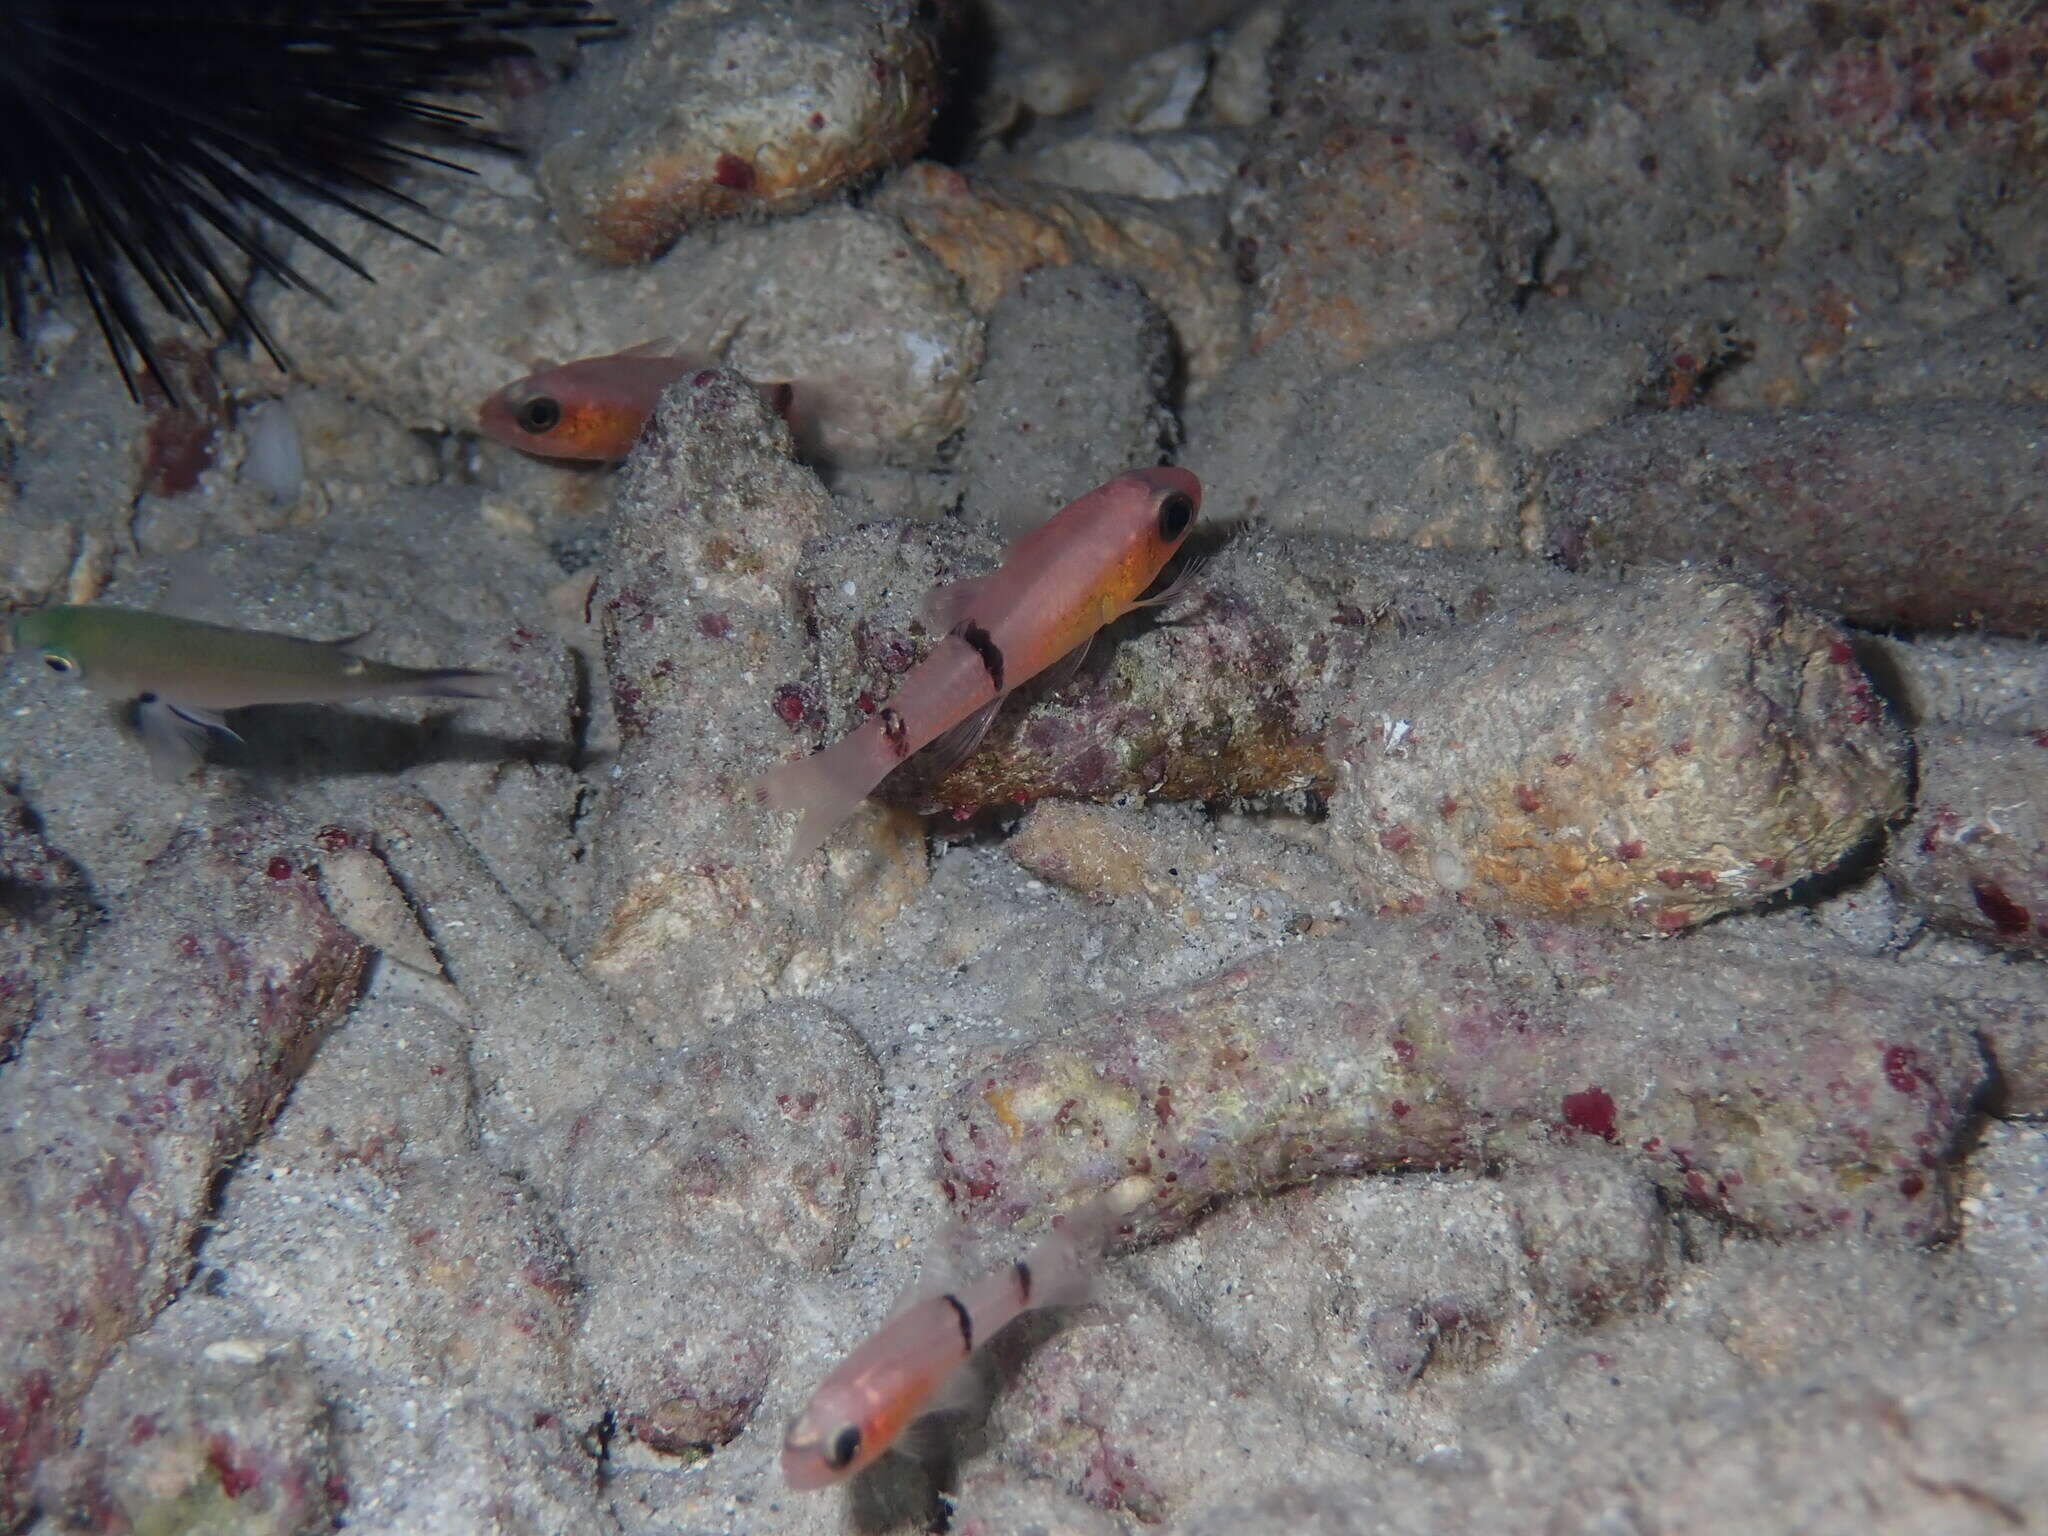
[181, 673]
[906, 1368]
[1057, 586]
[592, 411]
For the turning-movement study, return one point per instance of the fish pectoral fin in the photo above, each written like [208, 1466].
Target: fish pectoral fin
[205, 719]
[1184, 582]
[174, 738]
[965, 1390]
[945, 606]
[952, 748]
[1061, 672]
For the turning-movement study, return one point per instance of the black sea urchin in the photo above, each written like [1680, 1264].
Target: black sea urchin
[156, 137]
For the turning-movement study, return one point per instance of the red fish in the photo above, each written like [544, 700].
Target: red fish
[592, 411]
[1057, 586]
[909, 1368]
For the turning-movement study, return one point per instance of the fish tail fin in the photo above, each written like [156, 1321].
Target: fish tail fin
[825, 788]
[455, 683]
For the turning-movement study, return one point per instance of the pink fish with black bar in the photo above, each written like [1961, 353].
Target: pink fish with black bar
[1057, 587]
[911, 1367]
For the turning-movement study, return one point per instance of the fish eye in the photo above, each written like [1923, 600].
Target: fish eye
[59, 663]
[845, 1446]
[543, 413]
[1175, 513]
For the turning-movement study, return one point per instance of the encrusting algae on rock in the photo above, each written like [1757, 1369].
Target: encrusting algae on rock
[1805, 1097]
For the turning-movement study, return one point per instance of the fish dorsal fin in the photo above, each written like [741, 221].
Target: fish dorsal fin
[653, 346]
[945, 606]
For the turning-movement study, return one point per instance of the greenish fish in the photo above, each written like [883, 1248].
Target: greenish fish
[181, 674]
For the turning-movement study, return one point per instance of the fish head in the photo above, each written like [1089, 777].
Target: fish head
[59, 636]
[552, 415]
[1143, 518]
[821, 1448]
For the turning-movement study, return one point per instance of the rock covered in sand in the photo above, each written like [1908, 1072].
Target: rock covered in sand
[1796, 1096]
[1072, 394]
[709, 112]
[163, 1061]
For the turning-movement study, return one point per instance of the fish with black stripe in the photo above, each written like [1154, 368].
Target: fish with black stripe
[906, 1370]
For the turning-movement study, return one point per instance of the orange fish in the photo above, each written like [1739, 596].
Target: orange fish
[1057, 586]
[910, 1366]
[592, 411]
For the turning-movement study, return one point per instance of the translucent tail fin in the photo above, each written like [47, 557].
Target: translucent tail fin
[825, 789]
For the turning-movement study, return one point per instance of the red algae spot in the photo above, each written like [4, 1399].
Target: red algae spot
[140, 1428]
[1912, 1185]
[714, 626]
[734, 172]
[1682, 747]
[235, 1479]
[1841, 653]
[789, 704]
[1999, 909]
[1400, 1109]
[1447, 808]
[865, 703]
[1563, 760]
[817, 121]
[1675, 878]
[1671, 921]
[2041, 740]
[336, 1491]
[278, 869]
[1632, 849]
[1527, 799]
[1162, 1105]
[333, 839]
[1901, 1068]
[181, 440]
[1404, 1052]
[1397, 840]
[1591, 1112]
[1940, 824]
